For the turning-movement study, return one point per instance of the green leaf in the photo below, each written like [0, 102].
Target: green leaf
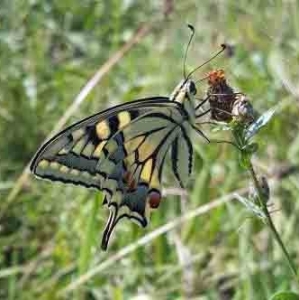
[259, 123]
[285, 296]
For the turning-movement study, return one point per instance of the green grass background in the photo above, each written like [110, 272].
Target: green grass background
[50, 233]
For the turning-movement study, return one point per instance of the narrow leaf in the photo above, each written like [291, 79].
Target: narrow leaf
[259, 123]
[252, 207]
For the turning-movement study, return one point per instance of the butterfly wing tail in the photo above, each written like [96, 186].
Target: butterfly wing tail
[109, 227]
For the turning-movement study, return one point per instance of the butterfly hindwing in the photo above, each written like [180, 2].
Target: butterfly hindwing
[136, 175]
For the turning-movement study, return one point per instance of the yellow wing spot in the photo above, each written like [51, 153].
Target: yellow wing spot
[124, 118]
[78, 134]
[88, 149]
[85, 174]
[103, 130]
[145, 150]
[79, 146]
[130, 159]
[74, 172]
[54, 165]
[97, 177]
[99, 148]
[147, 171]
[43, 164]
[132, 145]
[63, 151]
[64, 169]
[155, 183]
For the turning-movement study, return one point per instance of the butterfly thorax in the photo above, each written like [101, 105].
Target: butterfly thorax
[184, 94]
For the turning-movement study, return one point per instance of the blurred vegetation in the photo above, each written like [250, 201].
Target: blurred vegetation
[50, 233]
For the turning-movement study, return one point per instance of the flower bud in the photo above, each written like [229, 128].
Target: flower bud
[242, 110]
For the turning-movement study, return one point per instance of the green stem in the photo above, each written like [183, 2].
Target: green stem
[240, 141]
[270, 223]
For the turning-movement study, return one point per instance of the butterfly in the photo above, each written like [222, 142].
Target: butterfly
[121, 151]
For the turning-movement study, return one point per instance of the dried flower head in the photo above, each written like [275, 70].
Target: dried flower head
[221, 96]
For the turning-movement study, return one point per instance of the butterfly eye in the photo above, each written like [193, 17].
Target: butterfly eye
[192, 88]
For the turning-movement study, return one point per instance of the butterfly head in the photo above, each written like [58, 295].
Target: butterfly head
[191, 87]
[185, 89]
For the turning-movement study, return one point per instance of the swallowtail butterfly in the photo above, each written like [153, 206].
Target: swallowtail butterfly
[121, 151]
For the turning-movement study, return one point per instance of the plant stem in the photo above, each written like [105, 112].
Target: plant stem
[263, 205]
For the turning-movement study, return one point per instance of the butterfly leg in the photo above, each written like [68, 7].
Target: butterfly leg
[226, 94]
[214, 141]
[202, 102]
[223, 111]
[200, 133]
[207, 122]
[203, 113]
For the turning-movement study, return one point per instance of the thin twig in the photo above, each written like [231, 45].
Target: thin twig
[140, 33]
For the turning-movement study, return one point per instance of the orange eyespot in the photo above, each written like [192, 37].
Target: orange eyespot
[154, 199]
[216, 76]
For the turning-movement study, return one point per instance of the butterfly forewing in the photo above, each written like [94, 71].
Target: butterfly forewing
[72, 155]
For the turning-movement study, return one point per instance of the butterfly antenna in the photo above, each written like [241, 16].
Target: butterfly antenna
[209, 60]
[201, 79]
[187, 48]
